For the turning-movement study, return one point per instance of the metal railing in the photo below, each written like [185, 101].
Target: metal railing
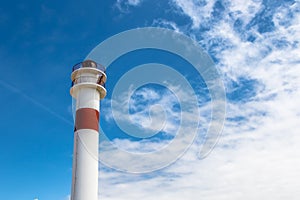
[89, 79]
[88, 63]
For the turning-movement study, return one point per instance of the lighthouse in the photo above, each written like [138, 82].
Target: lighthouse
[88, 88]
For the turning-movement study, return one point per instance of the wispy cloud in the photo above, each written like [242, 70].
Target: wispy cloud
[166, 24]
[157, 110]
[198, 11]
[124, 5]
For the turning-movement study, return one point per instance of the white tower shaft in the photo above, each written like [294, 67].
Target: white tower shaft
[87, 91]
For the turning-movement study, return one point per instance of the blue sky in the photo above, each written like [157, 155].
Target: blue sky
[255, 45]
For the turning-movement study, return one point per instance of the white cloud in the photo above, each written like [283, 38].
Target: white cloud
[258, 154]
[252, 171]
[134, 2]
[124, 5]
[158, 113]
[200, 12]
[249, 164]
[245, 10]
[197, 13]
[166, 24]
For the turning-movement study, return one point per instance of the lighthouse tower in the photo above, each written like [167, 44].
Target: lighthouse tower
[88, 79]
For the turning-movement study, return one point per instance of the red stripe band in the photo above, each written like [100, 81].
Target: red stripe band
[87, 118]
